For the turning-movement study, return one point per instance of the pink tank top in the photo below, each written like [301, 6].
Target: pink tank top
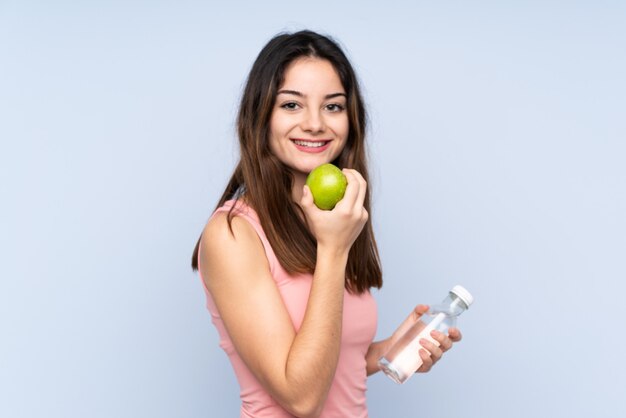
[346, 398]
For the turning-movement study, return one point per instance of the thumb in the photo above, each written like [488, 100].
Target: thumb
[307, 197]
[419, 311]
[410, 320]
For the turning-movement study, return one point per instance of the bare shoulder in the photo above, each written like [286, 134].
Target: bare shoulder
[227, 252]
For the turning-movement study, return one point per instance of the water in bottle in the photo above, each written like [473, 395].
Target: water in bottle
[403, 359]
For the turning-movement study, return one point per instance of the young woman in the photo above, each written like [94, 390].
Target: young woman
[287, 284]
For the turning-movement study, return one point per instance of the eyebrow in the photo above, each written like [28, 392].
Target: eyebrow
[299, 94]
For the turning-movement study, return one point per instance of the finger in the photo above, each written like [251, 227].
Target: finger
[417, 313]
[419, 310]
[362, 189]
[427, 362]
[306, 201]
[352, 189]
[435, 351]
[445, 343]
[409, 321]
[455, 335]
[364, 214]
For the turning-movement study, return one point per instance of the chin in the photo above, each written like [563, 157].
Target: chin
[303, 169]
[305, 166]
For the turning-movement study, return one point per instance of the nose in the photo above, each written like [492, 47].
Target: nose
[313, 121]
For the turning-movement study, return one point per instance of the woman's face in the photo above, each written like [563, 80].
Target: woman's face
[309, 124]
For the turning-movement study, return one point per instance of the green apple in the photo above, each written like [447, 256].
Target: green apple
[327, 184]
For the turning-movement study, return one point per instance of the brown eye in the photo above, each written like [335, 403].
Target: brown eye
[289, 105]
[334, 107]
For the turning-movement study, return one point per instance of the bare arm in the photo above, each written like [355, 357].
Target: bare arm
[295, 368]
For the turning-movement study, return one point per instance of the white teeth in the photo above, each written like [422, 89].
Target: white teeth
[310, 144]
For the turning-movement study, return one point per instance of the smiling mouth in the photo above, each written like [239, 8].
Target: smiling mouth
[310, 144]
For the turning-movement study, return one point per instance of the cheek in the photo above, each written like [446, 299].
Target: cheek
[344, 130]
[344, 127]
[274, 134]
[278, 128]
[275, 145]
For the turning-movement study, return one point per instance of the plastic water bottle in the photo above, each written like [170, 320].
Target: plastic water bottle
[403, 359]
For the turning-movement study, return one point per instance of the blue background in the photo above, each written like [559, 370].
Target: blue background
[497, 143]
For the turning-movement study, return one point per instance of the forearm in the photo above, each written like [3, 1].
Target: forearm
[313, 356]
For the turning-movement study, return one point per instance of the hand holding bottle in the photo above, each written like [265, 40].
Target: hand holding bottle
[444, 344]
[420, 341]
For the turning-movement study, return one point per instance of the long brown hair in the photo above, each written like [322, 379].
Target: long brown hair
[266, 182]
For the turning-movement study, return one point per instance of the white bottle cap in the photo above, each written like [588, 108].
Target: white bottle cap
[463, 294]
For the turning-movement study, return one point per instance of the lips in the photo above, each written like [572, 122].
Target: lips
[312, 146]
